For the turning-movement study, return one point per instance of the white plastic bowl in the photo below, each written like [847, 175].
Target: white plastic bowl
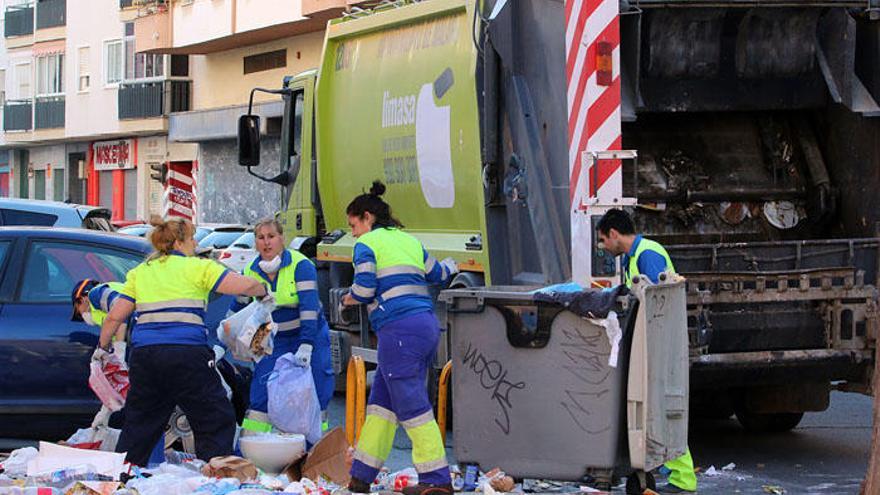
[273, 452]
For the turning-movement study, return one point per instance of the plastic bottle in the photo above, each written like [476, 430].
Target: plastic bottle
[471, 476]
[63, 477]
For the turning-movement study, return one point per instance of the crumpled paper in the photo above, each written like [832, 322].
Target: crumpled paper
[614, 333]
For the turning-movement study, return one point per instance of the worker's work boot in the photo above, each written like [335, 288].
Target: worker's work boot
[426, 489]
[358, 486]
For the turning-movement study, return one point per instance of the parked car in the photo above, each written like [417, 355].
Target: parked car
[45, 356]
[222, 237]
[204, 229]
[53, 214]
[241, 253]
[140, 230]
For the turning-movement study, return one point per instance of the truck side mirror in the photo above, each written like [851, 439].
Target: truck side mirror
[249, 140]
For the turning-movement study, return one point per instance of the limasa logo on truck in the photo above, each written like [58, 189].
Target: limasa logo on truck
[430, 162]
[398, 110]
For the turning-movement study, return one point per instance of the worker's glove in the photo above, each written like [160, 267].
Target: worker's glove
[100, 355]
[303, 356]
[268, 299]
[102, 419]
[450, 265]
[119, 350]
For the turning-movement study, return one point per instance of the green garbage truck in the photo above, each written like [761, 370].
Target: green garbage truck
[755, 126]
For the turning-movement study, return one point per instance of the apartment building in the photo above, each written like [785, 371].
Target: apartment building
[86, 117]
[234, 46]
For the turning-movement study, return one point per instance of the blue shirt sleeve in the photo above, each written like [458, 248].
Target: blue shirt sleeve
[651, 264]
[363, 290]
[435, 273]
[102, 297]
[309, 302]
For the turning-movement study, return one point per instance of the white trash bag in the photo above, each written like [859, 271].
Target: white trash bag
[250, 333]
[293, 399]
[98, 438]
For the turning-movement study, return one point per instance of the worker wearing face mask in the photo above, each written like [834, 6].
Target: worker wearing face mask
[91, 303]
[302, 328]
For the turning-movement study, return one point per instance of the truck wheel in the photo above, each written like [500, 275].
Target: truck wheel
[768, 423]
[634, 485]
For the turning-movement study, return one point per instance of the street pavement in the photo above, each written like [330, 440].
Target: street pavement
[826, 454]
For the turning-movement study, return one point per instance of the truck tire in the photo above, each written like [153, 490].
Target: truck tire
[769, 422]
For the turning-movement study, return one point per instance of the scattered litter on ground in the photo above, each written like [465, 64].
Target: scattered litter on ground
[729, 467]
[773, 489]
[712, 471]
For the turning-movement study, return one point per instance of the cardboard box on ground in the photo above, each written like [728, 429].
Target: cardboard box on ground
[329, 459]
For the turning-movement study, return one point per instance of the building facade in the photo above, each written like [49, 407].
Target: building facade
[234, 46]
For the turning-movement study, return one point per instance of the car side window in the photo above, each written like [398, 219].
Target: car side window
[52, 267]
[4, 247]
[21, 217]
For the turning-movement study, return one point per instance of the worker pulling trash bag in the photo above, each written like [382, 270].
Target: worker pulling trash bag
[250, 333]
[293, 401]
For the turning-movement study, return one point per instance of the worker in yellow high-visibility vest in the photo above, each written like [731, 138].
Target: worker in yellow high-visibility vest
[644, 257]
[392, 272]
[170, 363]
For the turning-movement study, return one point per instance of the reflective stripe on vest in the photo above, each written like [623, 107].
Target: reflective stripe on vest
[632, 269]
[286, 326]
[166, 290]
[98, 313]
[397, 253]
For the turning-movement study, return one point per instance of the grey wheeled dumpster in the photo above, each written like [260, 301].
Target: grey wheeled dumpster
[536, 390]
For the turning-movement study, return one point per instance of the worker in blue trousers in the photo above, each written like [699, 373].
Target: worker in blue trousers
[392, 272]
[302, 329]
[644, 257]
[171, 363]
[91, 302]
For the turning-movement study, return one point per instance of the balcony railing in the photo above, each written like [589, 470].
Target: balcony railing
[19, 21]
[154, 98]
[49, 112]
[51, 13]
[17, 115]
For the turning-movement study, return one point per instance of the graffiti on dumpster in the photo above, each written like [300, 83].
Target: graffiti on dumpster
[493, 377]
[586, 349]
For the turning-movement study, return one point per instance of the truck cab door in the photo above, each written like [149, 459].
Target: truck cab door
[301, 205]
[657, 389]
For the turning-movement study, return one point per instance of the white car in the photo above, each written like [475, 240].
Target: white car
[240, 253]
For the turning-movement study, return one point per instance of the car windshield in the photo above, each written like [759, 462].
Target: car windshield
[201, 233]
[246, 241]
[219, 240]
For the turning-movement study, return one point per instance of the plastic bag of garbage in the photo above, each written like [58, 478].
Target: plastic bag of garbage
[16, 463]
[97, 438]
[250, 333]
[166, 484]
[109, 380]
[293, 400]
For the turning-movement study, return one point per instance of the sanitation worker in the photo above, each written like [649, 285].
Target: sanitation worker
[170, 362]
[392, 272]
[641, 256]
[302, 328]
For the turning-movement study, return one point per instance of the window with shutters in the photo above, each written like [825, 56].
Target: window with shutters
[113, 60]
[23, 81]
[83, 72]
[265, 61]
[2, 87]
